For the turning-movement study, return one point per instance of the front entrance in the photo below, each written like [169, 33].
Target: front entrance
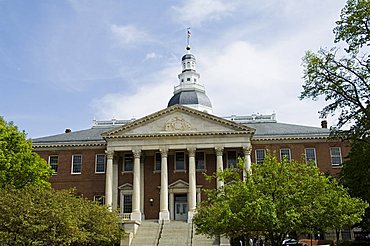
[181, 207]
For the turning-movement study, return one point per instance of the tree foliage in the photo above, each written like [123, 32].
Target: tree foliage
[19, 166]
[276, 199]
[344, 81]
[42, 216]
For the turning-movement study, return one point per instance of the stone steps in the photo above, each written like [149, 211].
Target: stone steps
[147, 233]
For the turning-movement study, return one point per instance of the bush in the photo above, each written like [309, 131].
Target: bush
[353, 243]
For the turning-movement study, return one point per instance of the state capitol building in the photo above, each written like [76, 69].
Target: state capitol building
[153, 167]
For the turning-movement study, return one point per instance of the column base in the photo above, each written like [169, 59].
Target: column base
[190, 216]
[164, 215]
[136, 216]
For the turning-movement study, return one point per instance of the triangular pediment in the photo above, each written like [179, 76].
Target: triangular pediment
[178, 120]
[178, 184]
[125, 186]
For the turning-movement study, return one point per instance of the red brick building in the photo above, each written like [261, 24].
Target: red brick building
[152, 168]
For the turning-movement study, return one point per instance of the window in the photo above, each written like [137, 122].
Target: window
[200, 160]
[128, 163]
[310, 154]
[76, 164]
[336, 156]
[285, 153]
[157, 161]
[100, 163]
[260, 156]
[99, 199]
[187, 79]
[231, 159]
[180, 161]
[127, 203]
[53, 162]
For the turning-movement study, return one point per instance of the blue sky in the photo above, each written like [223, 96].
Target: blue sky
[64, 63]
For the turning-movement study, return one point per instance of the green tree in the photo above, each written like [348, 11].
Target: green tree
[278, 198]
[43, 216]
[19, 166]
[344, 81]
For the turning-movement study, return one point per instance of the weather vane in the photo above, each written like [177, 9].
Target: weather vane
[189, 35]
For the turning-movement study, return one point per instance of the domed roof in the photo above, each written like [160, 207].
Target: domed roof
[190, 98]
[188, 56]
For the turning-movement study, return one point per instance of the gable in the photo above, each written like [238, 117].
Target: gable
[178, 120]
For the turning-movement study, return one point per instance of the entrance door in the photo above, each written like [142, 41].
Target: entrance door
[181, 207]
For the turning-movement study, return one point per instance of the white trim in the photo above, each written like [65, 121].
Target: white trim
[314, 153]
[55, 172]
[290, 154]
[96, 162]
[72, 163]
[340, 156]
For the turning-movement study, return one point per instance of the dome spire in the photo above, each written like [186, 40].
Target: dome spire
[188, 40]
[190, 92]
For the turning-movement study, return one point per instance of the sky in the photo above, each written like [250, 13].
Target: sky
[65, 63]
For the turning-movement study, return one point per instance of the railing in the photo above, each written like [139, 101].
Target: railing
[126, 216]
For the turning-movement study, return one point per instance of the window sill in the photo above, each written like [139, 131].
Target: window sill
[99, 172]
[179, 171]
[125, 172]
[336, 166]
[76, 173]
[156, 171]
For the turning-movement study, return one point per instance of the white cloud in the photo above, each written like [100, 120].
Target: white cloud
[128, 35]
[147, 98]
[194, 12]
[151, 55]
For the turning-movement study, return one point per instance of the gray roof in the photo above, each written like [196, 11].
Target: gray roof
[282, 129]
[190, 98]
[267, 129]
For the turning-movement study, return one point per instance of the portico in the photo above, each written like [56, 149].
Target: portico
[187, 142]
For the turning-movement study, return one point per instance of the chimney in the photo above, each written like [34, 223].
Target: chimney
[68, 130]
[324, 124]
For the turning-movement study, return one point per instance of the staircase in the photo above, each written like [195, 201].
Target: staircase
[169, 234]
[147, 233]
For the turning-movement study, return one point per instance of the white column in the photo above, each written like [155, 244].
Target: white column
[247, 160]
[192, 197]
[164, 213]
[115, 183]
[136, 214]
[220, 164]
[172, 206]
[109, 179]
[142, 187]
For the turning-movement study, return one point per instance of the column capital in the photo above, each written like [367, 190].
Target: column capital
[247, 149]
[164, 151]
[110, 154]
[191, 151]
[219, 150]
[136, 152]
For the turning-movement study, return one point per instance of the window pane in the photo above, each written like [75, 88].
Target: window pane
[158, 160]
[76, 164]
[100, 164]
[310, 155]
[53, 161]
[127, 203]
[231, 159]
[199, 161]
[128, 163]
[99, 199]
[336, 156]
[180, 161]
[260, 156]
[285, 153]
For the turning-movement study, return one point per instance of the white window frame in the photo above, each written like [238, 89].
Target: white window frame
[128, 155]
[49, 161]
[289, 159]
[155, 162]
[258, 160]
[175, 162]
[314, 155]
[100, 199]
[227, 159]
[122, 199]
[104, 163]
[336, 156]
[204, 161]
[74, 164]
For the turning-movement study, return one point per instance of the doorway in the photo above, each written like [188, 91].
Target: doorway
[181, 207]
